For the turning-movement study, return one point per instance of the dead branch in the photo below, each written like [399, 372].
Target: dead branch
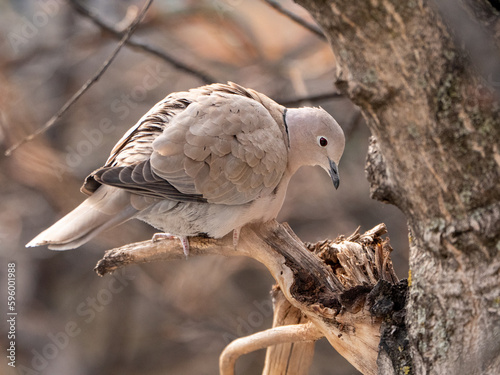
[335, 283]
[264, 339]
[132, 42]
[292, 357]
[126, 35]
[309, 26]
[311, 98]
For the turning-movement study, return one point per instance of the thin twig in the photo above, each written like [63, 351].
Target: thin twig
[90, 82]
[309, 26]
[311, 98]
[205, 78]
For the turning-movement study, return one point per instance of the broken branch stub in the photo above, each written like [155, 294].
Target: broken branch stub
[292, 357]
[344, 287]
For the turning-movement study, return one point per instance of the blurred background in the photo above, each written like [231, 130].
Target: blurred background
[168, 318]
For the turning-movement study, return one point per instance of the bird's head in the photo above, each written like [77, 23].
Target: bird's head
[315, 139]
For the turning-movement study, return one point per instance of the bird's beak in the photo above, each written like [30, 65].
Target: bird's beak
[334, 173]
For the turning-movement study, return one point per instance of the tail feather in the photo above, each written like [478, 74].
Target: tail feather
[106, 208]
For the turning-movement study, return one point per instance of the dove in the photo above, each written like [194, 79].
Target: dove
[202, 162]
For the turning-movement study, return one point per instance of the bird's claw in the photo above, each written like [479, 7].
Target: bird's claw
[162, 236]
[167, 236]
[236, 237]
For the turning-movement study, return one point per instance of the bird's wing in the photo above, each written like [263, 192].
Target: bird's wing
[223, 148]
[136, 145]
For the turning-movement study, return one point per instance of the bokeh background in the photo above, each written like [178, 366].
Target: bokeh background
[168, 318]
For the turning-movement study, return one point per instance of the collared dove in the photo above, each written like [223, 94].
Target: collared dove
[202, 162]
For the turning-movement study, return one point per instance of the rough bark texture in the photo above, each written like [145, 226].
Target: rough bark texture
[434, 153]
[346, 288]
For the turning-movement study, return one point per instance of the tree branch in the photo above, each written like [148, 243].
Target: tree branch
[309, 26]
[261, 340]
[332, 282]
[158, 52]
[311, 98]
[126, 35]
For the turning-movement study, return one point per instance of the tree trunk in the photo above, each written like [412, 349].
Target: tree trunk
[434, 153]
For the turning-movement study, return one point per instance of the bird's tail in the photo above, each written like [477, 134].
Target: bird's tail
[106, 208]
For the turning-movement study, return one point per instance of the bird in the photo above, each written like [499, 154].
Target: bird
[202, 162]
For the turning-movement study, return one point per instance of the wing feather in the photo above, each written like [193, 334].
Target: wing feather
[219, 144]
[138, 179]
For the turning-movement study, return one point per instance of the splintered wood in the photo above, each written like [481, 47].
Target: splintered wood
[341, 289]
[359, 259]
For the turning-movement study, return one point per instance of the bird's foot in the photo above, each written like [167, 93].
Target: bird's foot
[236, 237]
[168, 236]
[185, 245]
[162, 236]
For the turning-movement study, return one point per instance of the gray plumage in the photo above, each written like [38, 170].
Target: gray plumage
[205, 161]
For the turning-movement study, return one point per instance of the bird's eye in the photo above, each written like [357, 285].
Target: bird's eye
[322, 141]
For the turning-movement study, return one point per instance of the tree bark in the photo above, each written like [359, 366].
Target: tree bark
[434, 153]
[347, 288]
